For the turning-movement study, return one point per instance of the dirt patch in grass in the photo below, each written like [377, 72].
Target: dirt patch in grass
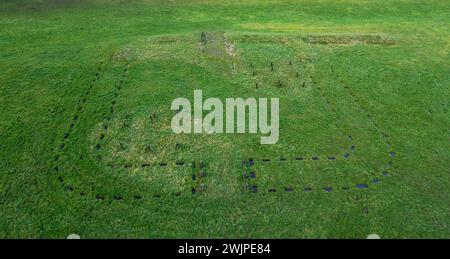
[230, 48]
[213, 44]
[348, 39]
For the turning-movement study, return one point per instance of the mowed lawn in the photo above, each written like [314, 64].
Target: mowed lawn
[86, 145]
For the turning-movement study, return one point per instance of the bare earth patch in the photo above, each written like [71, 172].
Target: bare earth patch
[348, 39]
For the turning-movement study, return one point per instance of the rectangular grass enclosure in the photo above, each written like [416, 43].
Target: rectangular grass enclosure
[86, 124]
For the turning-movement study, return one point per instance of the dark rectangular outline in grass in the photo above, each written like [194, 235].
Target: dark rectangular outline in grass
[249, 174]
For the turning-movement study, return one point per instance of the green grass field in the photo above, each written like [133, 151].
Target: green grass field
[86, 145]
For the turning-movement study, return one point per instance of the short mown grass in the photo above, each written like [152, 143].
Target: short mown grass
[87, 148]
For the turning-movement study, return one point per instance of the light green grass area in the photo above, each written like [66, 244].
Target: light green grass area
[86, 145]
